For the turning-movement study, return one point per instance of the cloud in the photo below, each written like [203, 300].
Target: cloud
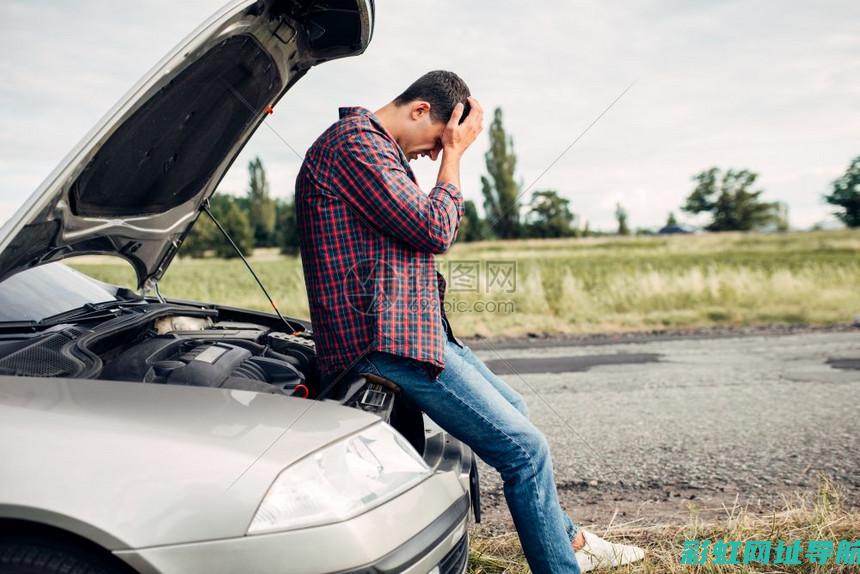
[733, 84]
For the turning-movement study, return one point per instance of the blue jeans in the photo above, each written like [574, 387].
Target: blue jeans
[480, 409]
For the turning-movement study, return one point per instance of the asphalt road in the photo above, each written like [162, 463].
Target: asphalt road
[687, 423]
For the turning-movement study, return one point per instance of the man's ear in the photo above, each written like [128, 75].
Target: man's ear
[419, 109]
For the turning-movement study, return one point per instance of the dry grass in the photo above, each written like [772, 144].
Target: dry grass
[817, 515]
[589, 285]
[628, 284]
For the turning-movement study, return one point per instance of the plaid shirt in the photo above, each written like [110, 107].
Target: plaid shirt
[367, 234]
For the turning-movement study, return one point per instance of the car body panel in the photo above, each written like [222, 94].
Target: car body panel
[349, 546]
[148, 464]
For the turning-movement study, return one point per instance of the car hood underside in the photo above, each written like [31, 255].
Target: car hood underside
[137, 183]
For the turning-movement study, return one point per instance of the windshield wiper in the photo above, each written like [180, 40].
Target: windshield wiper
[86, 312]
[89, 311]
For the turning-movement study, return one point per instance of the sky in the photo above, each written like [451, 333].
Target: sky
[772, 86]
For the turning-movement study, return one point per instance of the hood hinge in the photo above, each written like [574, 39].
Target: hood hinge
[151, 284]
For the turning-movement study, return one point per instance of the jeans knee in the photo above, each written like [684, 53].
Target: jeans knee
[530, 451]
[521, 406]
[537, 445]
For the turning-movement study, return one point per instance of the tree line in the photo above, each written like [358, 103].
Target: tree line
[254, 220]
[731, 197]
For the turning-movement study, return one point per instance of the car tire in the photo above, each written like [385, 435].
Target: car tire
[29, 555]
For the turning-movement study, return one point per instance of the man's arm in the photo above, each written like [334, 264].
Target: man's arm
[379, 188]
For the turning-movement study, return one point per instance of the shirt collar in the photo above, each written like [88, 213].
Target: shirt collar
[362, 111]
[353, 110]
[371, 117]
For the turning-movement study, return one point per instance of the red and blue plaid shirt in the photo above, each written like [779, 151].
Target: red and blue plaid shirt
[367, 235]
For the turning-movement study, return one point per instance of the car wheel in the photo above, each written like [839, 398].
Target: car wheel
[27, 555]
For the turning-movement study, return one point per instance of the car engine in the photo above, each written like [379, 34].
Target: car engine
[198, 346]
[169, 349]
[205, 363]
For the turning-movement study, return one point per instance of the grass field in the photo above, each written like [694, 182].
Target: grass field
[584, 285]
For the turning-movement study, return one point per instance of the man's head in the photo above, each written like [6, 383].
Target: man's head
[418, 116]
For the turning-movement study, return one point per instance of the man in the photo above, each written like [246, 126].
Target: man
[368, 234]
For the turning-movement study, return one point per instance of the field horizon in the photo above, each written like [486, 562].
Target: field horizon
[580, 285]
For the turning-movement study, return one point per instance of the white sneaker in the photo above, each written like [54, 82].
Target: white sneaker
[600, 553]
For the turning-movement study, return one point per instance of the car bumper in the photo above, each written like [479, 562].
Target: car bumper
[423, 528]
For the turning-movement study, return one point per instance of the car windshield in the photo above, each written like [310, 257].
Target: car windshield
[47, 290]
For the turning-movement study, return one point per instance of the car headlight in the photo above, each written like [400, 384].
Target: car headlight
[341, 480]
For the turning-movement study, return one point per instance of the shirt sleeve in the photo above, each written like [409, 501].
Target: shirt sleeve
[374, 182]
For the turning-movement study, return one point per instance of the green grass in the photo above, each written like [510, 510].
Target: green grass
[590, 285]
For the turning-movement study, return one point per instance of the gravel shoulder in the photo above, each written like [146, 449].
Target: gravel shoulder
[722, 419]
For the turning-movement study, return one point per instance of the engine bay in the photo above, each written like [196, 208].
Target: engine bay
[241, 358]
[202, 346]
[161, 346]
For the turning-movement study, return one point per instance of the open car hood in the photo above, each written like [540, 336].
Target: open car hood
[135, 184]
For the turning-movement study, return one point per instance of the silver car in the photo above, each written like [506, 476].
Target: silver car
[141, 434]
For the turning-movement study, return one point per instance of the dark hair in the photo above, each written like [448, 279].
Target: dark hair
[442, 90]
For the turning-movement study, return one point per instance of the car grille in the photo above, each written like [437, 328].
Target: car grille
[455, 561]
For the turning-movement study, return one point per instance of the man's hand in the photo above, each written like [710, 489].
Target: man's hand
[457, 137]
